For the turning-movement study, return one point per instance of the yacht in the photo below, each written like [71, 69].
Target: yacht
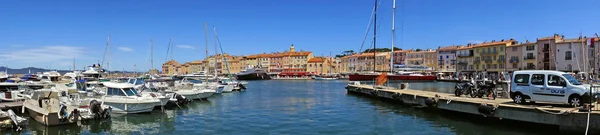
[72, 75]
[253, 74]
[55, 107]
[144, 91]
[198, 75]
[166, 88]
[51, 76]
[188, 90]
[123, 98]
[3, 76]
[10, 92]
[205, 90]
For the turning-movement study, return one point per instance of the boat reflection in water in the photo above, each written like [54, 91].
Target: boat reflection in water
[90, 126]
[155, 123]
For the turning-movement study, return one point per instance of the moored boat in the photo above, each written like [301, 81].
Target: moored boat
[123, 98]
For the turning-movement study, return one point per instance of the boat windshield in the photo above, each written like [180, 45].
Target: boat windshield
[571, 79]
[130, 91]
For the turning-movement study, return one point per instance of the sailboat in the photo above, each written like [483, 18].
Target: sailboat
[372, 75]
[229, 81]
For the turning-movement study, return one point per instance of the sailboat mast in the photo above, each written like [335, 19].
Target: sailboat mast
[171, 47]
[393, 35]
[151, 53]
[215, 58]
[375, 36]
[206, 39]
[108, 54]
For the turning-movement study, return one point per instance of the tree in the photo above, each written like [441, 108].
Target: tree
[396, 48]
[378, 50]
[418, 50]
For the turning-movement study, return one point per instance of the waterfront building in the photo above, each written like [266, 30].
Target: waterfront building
[196, 66]
[545, 56]
[447, 59]
[430, 59]
[400, 56]
[464, 56]
[491, 56]
[348, 63]
[153, 71]
[276, 63]
[415, 58]
[365, 62]
[529, 55]
[318, 65]
[514, 55]
[170, 67]
[571, 55]
[382, 61]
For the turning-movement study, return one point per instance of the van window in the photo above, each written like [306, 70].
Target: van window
[537, 79]
[554, 80]
[522, 78]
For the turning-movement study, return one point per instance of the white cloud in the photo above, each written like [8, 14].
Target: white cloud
[125, 49]
[186, 46]
[44, 55]
[17, 45]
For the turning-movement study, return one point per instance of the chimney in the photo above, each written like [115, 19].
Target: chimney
[493, 41]
[526, 41]
[502, 40]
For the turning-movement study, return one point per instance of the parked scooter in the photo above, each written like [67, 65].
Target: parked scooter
[464, 88]
[486, 88]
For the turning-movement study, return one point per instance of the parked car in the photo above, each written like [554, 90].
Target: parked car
[548, 86]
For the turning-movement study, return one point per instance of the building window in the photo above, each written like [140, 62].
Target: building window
[530, 48]
[568, 55]
[501, 48]
[570, 45]
[514, 49]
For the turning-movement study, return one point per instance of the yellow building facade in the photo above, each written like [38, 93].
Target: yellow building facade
[491, 56]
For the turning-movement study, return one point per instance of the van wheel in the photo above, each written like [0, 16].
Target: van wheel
[575, 101]
[518, 98]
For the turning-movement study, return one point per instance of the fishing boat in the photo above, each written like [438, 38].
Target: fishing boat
[53, 107]
[123, 98]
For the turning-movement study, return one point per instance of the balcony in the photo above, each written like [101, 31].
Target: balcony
[462, 63]
[465, 55]
[514, 60]
[546, 49]
[529, 67]
[529, 58]
[441, 63]
[476, 61]
[501, 60]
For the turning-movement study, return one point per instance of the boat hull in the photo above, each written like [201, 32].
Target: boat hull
[253, 76]
[358, 77]
[129, 108]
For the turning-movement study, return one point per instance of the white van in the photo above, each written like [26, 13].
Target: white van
[548, 86]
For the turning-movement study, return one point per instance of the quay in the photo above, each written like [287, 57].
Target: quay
[568, 119]
[15, 106]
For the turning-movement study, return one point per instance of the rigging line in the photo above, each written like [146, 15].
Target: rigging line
[222, 53]
[368, 29]
[106, 49]
[402, 23]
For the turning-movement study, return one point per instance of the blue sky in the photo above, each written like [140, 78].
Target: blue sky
[51, 33]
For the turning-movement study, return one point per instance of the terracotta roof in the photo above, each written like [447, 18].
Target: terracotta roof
[484, 44]
[549, 38]
[316, 59]
[403, 50]
[448, 48]
[584, 40]
[197, 62]
[520, 44]
[465, 47]
[171, 62]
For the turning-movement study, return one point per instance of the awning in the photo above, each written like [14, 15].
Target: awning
[294, 73]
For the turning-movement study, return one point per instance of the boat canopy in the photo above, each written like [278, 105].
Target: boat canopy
[117, 85]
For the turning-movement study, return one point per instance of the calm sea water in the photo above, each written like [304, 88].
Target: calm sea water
[292, 107]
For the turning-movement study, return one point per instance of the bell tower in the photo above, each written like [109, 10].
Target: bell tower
[292, 49]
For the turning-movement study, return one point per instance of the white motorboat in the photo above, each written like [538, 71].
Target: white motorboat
[144, 91]
[3, 76]
[51, 76]
[11, 92]
[165, 86]
[198, 75]
[55, 107]
[123, 98]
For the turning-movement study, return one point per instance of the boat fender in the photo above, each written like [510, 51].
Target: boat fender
[241, 86]
[431, 102]
[153, 95]
[374, 92]
[486, 110]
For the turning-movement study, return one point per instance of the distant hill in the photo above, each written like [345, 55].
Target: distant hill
[36, 70]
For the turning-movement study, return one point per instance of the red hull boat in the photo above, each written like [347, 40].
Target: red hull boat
[371, 77]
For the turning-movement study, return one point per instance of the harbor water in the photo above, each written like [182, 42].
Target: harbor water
[294, 107]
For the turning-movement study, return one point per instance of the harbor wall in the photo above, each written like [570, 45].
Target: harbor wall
[568, 120]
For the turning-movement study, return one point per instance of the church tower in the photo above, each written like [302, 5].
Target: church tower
[292, 49]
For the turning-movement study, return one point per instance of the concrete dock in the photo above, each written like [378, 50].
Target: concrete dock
[568, 119]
